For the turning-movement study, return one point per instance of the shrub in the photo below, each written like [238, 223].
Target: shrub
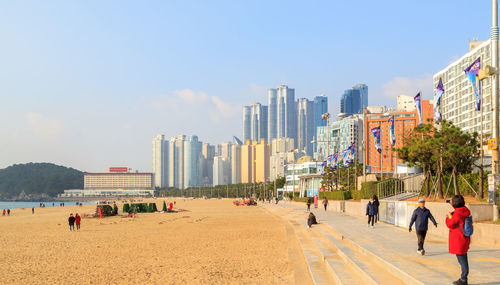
[139, 208]
[368, 189]
[126, 208]
[106, 210]
[152, 207]
[336, 195]
[164, 206]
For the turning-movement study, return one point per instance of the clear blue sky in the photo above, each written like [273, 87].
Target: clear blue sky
[88, 84]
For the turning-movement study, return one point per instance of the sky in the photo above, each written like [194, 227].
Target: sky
[88, 84]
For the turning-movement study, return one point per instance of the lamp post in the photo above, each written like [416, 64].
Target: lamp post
[326, 116]
[494, 177]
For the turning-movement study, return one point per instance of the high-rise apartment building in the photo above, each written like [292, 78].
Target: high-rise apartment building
[235, 163]
[208, 153]
[286, 113]
[247, 111]
[342, 133]
[160, 161]
[457, 102]
[222, 171]
[354, 100]
[305, 125]
[255, 161]
[272, 101]
[320, 108]
[192, 162]
[258, 122]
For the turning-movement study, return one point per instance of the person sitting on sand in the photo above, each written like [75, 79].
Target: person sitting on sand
[311, 220]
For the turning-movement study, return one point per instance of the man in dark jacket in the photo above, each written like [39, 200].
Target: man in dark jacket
[420, 217]
[71, 221]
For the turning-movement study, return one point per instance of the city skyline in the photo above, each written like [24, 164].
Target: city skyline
[92, 91]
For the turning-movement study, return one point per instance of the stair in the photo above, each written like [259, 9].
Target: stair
[334, 260]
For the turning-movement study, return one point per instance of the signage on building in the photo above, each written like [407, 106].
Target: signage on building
[492, 144]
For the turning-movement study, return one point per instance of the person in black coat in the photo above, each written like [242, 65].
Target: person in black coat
[71, 221]
[376, 203]
[420, 217]
[371, 211]
[311, 220]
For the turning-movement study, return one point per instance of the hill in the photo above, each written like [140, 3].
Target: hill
[38, 180]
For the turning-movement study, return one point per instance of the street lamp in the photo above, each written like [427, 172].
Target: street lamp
[326, 116]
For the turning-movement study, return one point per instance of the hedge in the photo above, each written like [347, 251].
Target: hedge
[368, 189]
[152, 207]
[106, 210]
[336, 195]
[126, 208]
[139, 207]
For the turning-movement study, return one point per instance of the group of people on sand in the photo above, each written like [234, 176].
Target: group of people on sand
[458, 221]
[8, 212]
[72, 220]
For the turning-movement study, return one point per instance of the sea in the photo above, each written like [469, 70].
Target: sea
[29, 205]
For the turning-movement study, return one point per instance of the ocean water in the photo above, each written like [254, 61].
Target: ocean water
[29, 205]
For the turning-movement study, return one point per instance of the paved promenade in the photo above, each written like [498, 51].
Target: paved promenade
[390, 248]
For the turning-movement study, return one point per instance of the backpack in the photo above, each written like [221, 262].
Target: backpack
[468, 229]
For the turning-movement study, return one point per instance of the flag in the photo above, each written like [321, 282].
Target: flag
[353, 151]
[376, 138]
[418, 104]
[437, 99]
[335, 158]
[472, 71]
[392, 134]
[345, 158]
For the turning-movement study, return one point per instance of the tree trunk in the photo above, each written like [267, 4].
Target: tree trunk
[481, 182]
[427, 183]
[440, 185]
[455, 181]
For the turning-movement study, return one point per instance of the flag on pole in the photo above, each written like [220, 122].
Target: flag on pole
[376, 138]
[437, 99]
[335, 158]
[345, 158]
[392, 134]
[418, 104]
[472, 72]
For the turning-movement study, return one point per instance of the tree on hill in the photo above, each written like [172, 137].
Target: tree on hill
[35, 179]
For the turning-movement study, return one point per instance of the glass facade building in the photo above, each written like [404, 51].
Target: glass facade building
[354, 100]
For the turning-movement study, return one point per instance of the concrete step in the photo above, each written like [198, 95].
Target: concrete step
[317, 268]
[371, 272]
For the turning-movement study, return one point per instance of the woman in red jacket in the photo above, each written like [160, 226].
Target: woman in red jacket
[77, 221]
[458, 243]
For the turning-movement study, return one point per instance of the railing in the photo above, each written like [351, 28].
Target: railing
[398, 187]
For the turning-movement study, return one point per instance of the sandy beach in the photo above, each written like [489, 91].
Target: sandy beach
[214, 243]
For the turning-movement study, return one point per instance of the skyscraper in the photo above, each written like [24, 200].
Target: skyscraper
[286, 113]
[246, 123]
[258, 121]
[354, 100]
[192, 165]
[160, 161]
[272, 114]
[235, 164]
[221, 170]
[305, 125]
[320, 108]
[208, 153]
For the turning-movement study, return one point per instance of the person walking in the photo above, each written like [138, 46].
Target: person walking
[308, 203]
[71, 221]
[33, 210]
[325, 203]
[377, 205]
[371, 212]
[77, 221]
[458, 243]
[3, 212]
[8, 212]
[420, 217]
